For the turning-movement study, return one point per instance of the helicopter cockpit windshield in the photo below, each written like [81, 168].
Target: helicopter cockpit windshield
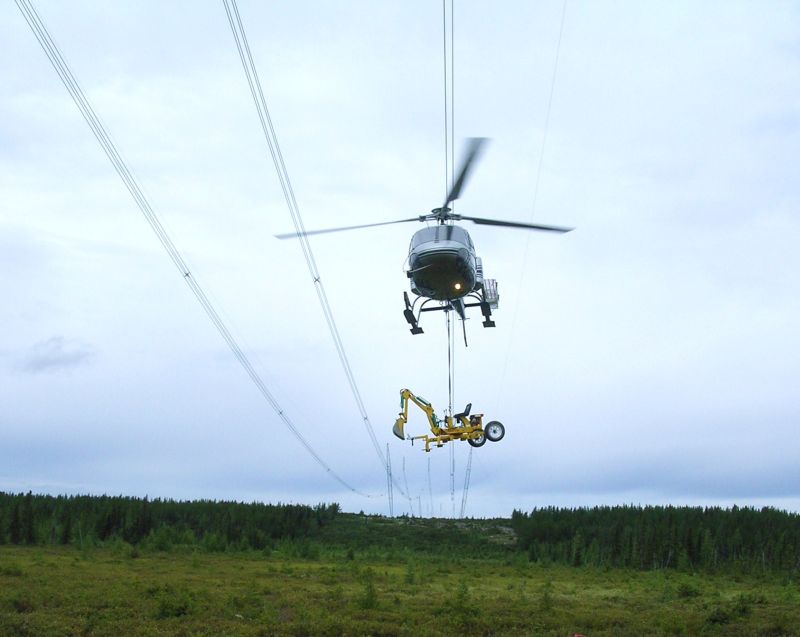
[443, 232]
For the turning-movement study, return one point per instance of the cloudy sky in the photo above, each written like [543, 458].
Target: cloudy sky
[651, 356]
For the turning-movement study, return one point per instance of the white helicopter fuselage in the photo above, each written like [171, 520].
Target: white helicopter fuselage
[442, 263]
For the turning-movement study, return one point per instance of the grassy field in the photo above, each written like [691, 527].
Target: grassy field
[121, 590]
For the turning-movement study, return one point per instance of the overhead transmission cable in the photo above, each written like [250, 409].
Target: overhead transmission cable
[242, 45]
[61, 67]
[447, 176]
[535, 194]
[408, 491]
[452, 98]
[430, 489]
[389, 488]
[465, 491]
[449, 162]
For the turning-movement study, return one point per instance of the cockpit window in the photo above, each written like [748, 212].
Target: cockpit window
[423, 236]
[441, 233]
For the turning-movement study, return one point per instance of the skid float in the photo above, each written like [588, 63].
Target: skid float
[461, 426]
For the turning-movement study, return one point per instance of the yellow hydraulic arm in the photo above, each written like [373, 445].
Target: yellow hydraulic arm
[462, 427]
[424, 405]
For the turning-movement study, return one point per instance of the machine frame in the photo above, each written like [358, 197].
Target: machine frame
[461, 426]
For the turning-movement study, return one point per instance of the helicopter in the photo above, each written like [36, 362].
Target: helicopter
[444, 270]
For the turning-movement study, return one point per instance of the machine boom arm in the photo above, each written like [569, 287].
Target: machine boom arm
[405, 396]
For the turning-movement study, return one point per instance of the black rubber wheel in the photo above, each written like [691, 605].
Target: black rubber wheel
[494, 431]
[477, 442]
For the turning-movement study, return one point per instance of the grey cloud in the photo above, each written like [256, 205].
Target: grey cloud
[54, 354]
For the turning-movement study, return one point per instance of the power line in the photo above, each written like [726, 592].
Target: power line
[430, 489]
[535, 194]
[68, 79]
[465, 491]
[453, 480]
[452, 99]
[408, 492]
[449, 101]
[251, 73]
[449, 161]
[451, 388]
[447, 177]
[389, 482]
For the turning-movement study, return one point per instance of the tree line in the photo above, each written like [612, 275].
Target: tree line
[88, 520]
[651, 537]
[654, 537]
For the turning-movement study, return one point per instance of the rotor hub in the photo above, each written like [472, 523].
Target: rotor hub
[442, 215]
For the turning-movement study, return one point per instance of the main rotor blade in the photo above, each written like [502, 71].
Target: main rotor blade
[515, 224]
[473, 152]
[295, 235]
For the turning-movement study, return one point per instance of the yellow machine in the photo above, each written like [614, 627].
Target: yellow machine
[458, 427]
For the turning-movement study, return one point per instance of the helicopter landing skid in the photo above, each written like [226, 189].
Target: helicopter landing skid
[409, 314]
[486, 310]
[413, 319]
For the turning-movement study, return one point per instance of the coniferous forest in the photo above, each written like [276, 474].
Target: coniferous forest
[655, 537]
[88, 520]
[644, 538]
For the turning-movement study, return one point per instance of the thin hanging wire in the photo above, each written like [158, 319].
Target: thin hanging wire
[452, 370]
[408, 493]
[449, 362]
[535, 198]
[450, 387]
[251, 73]
[430, 488]
[447, 178]
[68, 79]
[465, 491]
[449, 161]
[452, 409]
[389, 482]
[452, 102]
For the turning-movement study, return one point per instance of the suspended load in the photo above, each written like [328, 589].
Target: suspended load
[462, 426]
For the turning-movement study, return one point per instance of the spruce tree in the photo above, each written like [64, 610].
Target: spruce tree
[15, 526]
[27, 520]
[66, 529]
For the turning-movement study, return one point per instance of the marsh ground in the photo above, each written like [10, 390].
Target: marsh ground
[121, 590]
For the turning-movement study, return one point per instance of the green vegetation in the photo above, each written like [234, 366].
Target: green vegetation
[69, 567]
[683, 538]
[108, 591]
[216, 526]
[686, 538]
